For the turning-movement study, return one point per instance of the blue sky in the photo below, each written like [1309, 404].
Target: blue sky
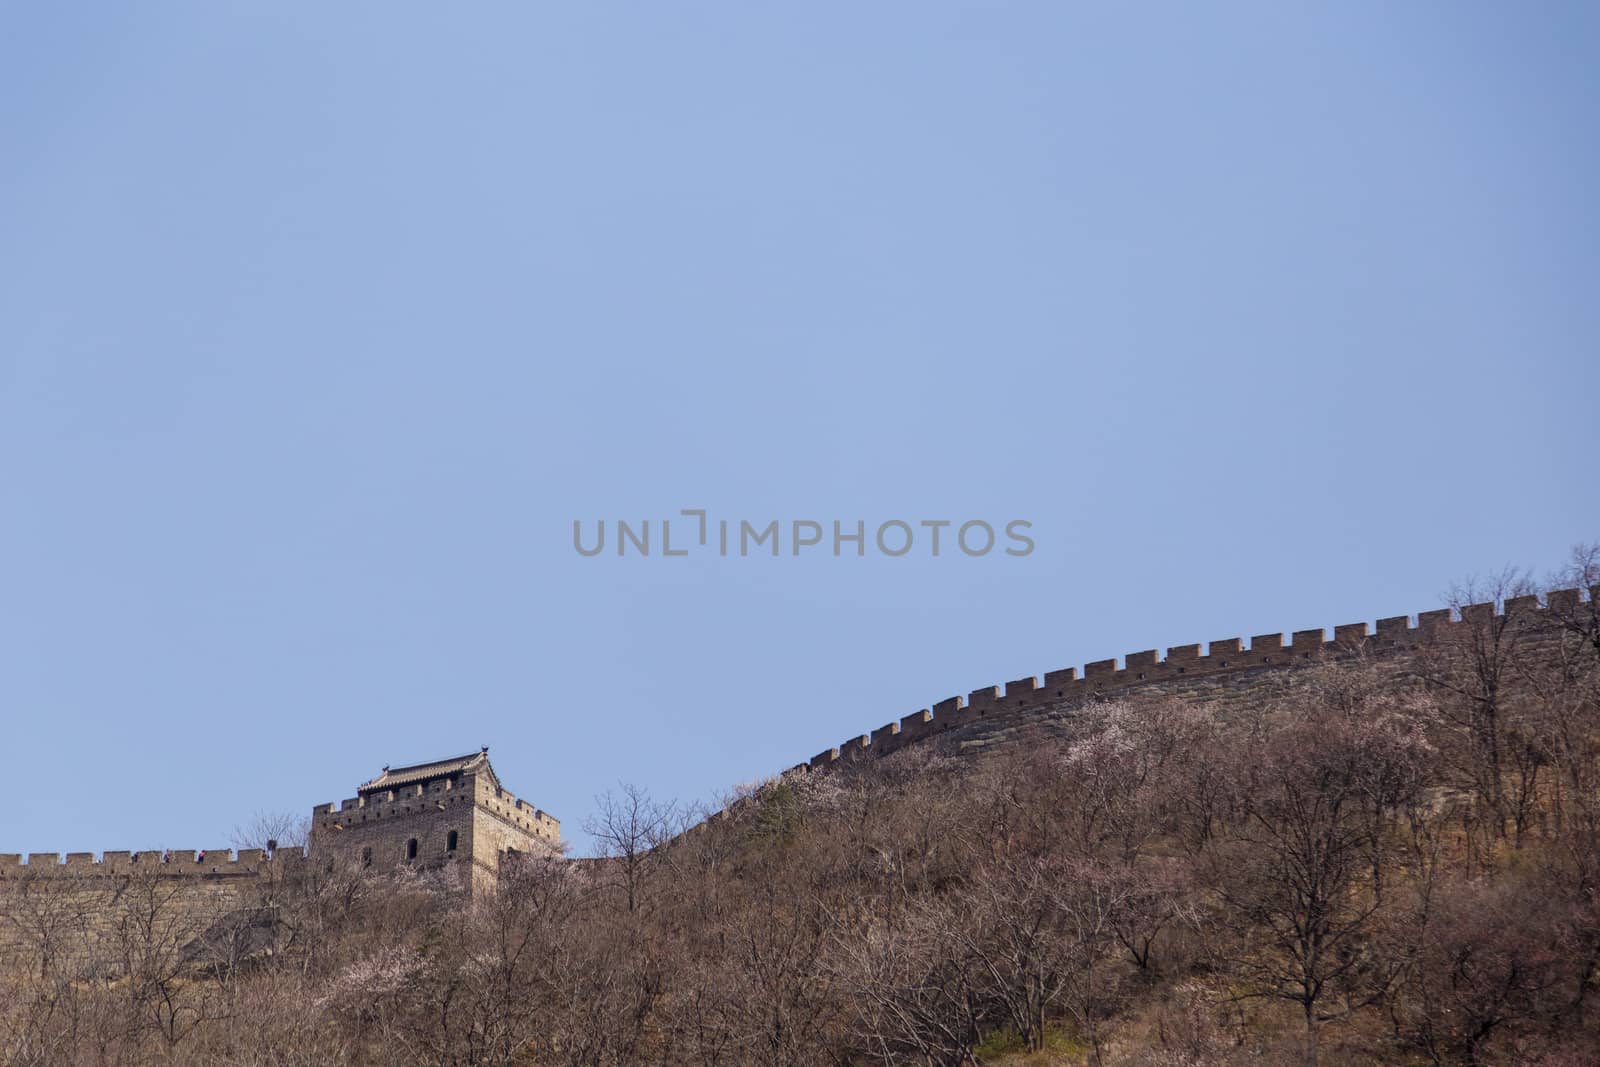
[320, 324]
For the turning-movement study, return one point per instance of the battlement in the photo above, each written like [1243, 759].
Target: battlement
[434, 815]
[1222, 657]
[434, 787]
[517, 810]
[399, 801]
[165, 863]
[427, 797]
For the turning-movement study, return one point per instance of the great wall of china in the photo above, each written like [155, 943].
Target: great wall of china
[1226, 671]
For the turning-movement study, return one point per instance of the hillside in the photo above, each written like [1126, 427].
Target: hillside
[1387, 855]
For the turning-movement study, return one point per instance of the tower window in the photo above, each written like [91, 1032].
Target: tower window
[450, 841]
[411, 849]
[366, 857]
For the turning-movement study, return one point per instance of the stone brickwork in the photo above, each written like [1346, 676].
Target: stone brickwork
[454, 813]
[1228, 672]
[436, 815]
[85, 909]
[219, 866]
[448, 814]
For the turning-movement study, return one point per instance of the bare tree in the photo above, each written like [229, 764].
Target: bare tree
[1475, 664]
[269, 831]
[912, 985]
[1290, 873]
[628, 827]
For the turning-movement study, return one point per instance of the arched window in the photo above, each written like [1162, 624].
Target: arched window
[366, 857]
[450, 841]
[411, 849]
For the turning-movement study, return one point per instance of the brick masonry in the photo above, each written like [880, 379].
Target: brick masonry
[1228, 672]
[460, 817]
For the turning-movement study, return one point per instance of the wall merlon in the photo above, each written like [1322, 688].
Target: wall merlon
[1563, 600]
[1183, 654]
[1267, 643]
[1307, 640]
[1350, 633]
[10, 859]
[1063, 676]
[1477, 613]
[982, 698]
[1517, 605]
[948, 707]
[1396, 626]
[885, 734]
[1140, 660]
[1432, 620]
[1021, 687]
[916, 726]
[1099, 669]
[80, 859]
[1228, 646]
[825, 757]
[44, 859]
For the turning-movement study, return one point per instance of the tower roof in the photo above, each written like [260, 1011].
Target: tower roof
[394, 777]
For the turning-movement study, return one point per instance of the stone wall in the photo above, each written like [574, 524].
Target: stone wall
[503, 824]
[83, 911]
[377, 830]
[1228, 672]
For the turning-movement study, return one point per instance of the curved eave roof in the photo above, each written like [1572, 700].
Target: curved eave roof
[394, 777]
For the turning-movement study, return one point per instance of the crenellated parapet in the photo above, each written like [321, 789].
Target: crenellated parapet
[165, 863]
[443, 814]
[1148, 670]
[439, 795]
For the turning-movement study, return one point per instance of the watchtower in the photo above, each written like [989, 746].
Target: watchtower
[432, 815]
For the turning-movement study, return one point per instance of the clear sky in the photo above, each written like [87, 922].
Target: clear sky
[321, 323]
